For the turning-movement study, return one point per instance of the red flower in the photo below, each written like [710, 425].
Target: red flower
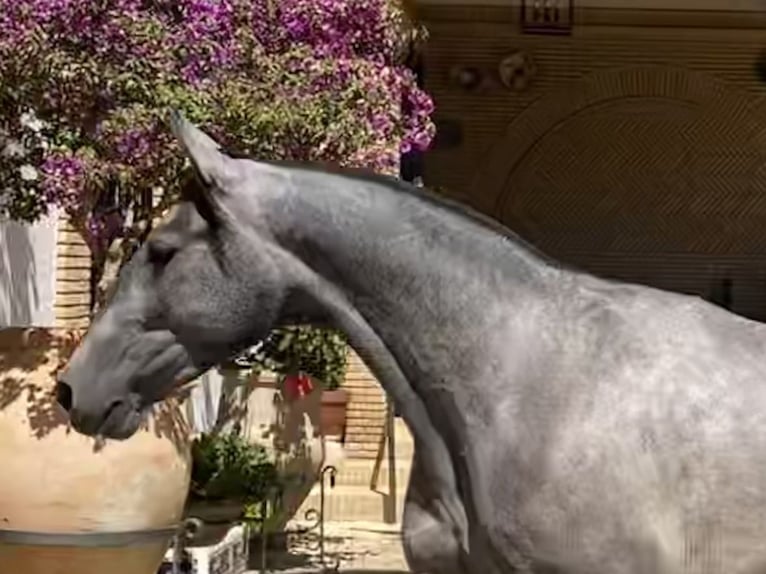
[297, 386]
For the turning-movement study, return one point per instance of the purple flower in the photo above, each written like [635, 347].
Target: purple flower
[63, 179]
[302, 79]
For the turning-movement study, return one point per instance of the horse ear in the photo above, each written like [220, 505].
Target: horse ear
[202, 197]
[209, 164]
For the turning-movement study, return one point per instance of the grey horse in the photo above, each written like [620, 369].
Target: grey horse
[563, 424]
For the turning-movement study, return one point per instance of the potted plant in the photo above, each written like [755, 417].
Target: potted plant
[304, 358]
[231, 479]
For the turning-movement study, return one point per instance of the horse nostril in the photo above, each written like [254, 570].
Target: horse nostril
[64, 396]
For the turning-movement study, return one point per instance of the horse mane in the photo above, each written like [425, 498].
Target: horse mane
[422, 193]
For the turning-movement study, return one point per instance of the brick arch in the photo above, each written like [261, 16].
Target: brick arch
[546, 114]
[650, 174]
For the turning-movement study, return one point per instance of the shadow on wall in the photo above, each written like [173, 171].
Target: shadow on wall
[18, 276]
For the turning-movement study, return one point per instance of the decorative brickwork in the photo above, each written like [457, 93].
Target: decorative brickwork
[636, 152]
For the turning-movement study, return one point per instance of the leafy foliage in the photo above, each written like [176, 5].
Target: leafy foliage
[227, 467]
[321, 353]
[85, 86]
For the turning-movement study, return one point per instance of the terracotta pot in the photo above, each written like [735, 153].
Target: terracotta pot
[70, 504]
[333, 413]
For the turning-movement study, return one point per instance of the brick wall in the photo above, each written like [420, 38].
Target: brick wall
[366, 410]
[73, 270]
[635, 149]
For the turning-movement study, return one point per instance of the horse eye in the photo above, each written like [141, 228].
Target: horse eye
[160, 254]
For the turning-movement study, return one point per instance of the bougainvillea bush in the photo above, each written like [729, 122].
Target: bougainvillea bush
[85, 87]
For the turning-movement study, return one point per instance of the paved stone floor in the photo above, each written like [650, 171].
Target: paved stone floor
[369, 548]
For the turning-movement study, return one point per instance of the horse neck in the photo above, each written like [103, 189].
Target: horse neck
[424, 297]
[429, 283]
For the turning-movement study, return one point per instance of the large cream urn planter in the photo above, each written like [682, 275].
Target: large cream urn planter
[289, 426]
[70, 504]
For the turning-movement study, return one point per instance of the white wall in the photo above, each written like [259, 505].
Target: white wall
[28, 273]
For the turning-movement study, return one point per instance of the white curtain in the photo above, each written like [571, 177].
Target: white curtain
[204, 401]
[219, 402]
[28, 273]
